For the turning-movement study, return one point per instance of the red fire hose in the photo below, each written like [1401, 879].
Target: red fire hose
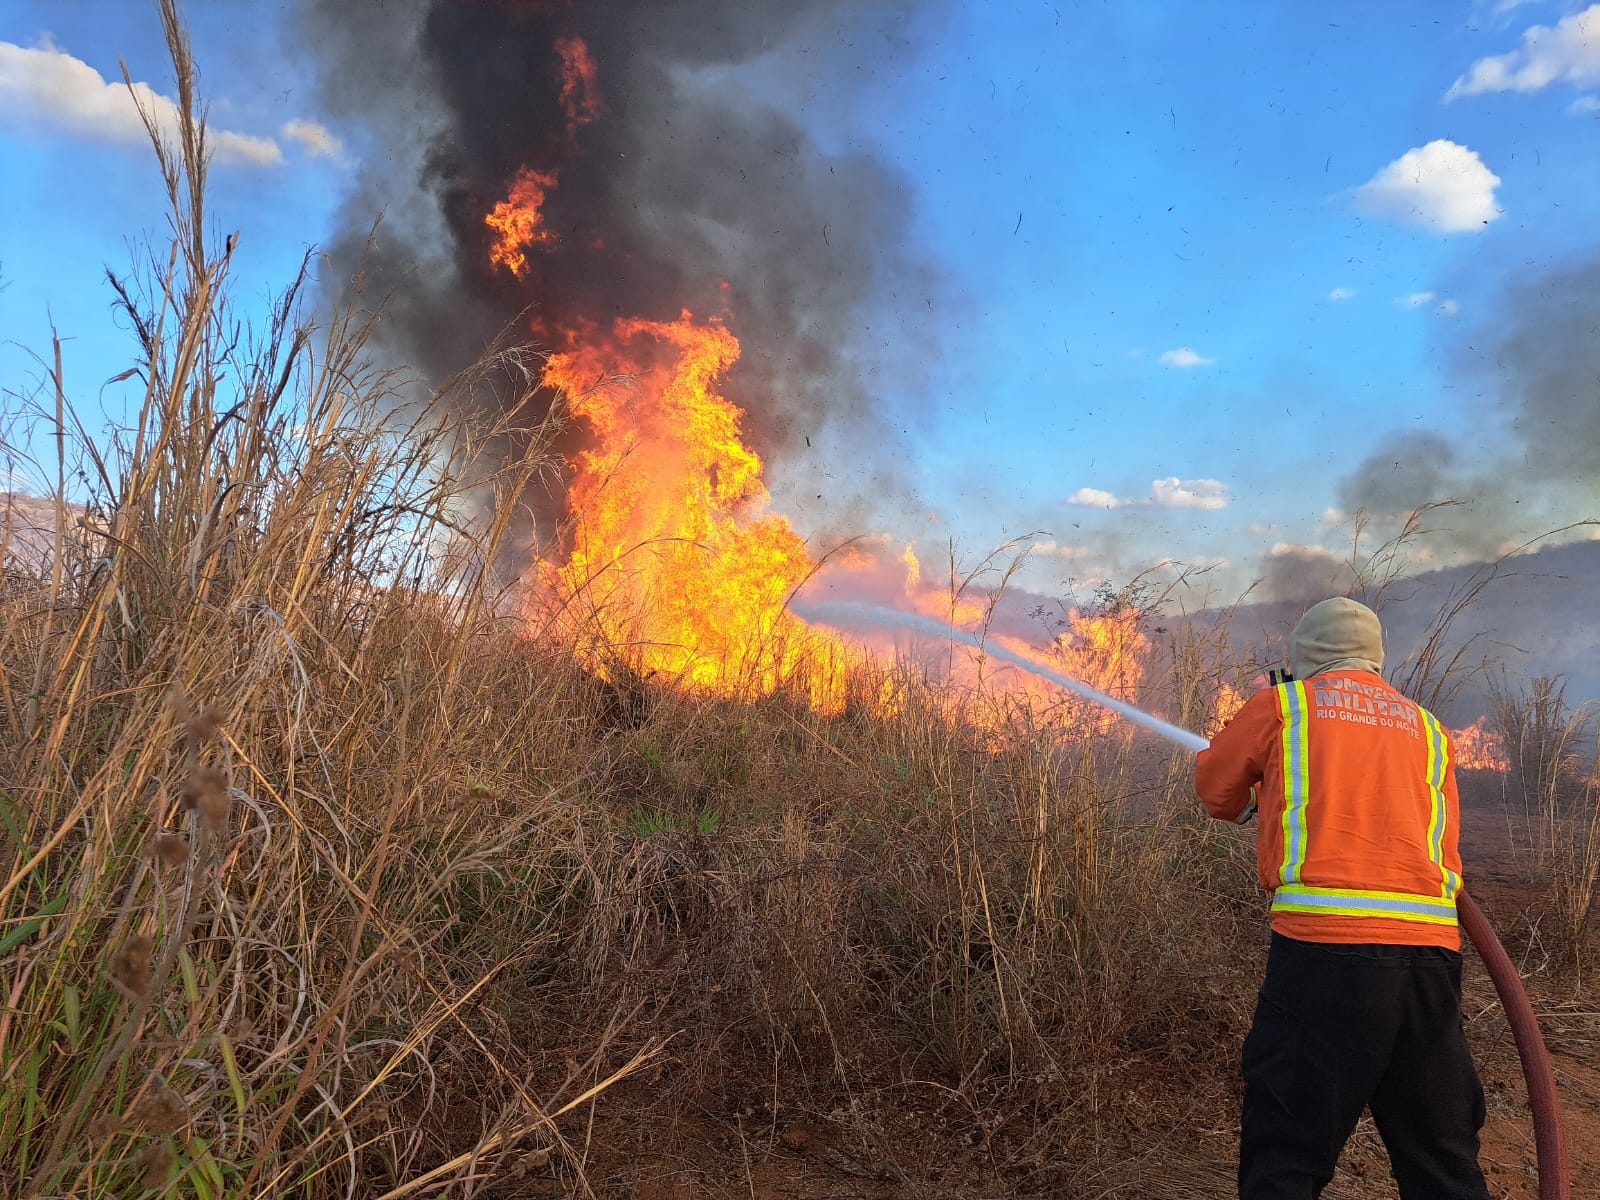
[1549, 1129]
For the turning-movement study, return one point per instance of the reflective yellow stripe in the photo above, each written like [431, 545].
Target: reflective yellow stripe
[1438, 763]
[1296, 777]
[1352, 902]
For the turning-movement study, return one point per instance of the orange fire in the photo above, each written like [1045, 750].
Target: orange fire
[1229, 700]
[1109, 652]
[677, 569]
[913, 567]
[1479, 748]
[580, 87]
[674, 559]
[519, 221]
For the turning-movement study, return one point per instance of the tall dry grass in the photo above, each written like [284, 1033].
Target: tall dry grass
[272, 817]
[1553, 786]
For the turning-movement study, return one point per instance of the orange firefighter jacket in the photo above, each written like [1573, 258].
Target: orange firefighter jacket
[1356, 795]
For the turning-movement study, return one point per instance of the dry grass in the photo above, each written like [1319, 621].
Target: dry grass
[321, 877]
[1547, 742]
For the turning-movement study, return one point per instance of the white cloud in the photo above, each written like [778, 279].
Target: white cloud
[1341, 293]
[1095, 498]
[1184, 357]
[1189, 493]
[1569, 52]
[1583, 105]
[1442, 186]
[46, 88]
[1333, 516]
[1207, 494]
[1445, 307]
[317, 140]
[1053, 549]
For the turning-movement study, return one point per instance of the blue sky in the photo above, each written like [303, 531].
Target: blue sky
[1194, 262]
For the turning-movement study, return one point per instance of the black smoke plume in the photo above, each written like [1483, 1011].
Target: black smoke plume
[675, 188]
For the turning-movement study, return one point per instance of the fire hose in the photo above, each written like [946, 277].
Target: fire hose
[1549, 1128]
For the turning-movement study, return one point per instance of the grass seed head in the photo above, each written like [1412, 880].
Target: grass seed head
[161, 1110]
[205, 724]
[207, 790]
[169, 849]
[105, 1126]
[130, 965]
[178, 701]
[156, 1161]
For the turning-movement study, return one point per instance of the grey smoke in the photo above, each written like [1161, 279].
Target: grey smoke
[1303, 575]
[1549, 361]
[1538, 357]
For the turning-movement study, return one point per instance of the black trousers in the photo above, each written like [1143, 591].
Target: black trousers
[1343, 1028]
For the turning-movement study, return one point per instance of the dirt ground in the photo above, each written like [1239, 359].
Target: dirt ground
[898, 1144]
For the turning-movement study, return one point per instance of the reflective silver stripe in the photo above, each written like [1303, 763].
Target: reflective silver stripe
[1349, 902]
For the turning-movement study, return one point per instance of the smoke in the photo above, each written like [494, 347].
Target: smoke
[1303, 575]
[1549, 359]
[1536, 470]
[1406, 471]
[676, 186]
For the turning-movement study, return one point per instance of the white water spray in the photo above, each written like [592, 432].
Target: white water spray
[839, 612]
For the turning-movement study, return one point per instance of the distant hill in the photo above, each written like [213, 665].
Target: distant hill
[27, 531]
[1539, 616]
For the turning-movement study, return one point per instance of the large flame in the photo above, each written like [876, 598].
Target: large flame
[678, 569]
[673, 555]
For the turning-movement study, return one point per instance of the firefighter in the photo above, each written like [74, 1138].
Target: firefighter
[1355, 794]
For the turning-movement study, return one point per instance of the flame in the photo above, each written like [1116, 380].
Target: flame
[519, 221]
[1479, 748]
[673, 555]
[1225, 706]
[1106, 652]
[580, 86]
[677, 567]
